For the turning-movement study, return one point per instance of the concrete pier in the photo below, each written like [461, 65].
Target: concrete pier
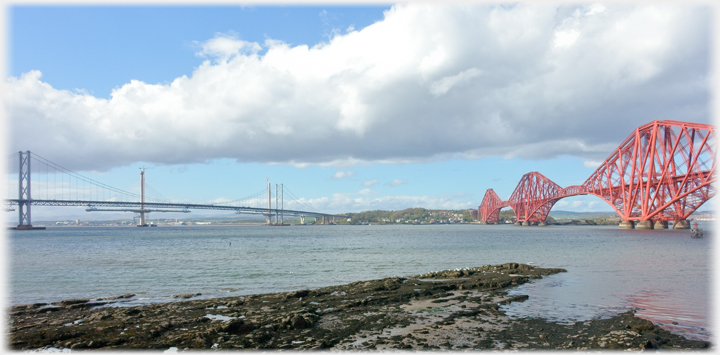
[525, 223]
[627, 225]
[644, 225]
[517, 223]
[681, 224]
[660, 225]
[542, 223]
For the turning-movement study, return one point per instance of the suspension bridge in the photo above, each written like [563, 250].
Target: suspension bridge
[56, 185]
[664, 171]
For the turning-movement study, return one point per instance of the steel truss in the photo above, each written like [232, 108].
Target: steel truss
[663, 171]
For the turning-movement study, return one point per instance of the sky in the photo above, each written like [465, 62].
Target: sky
[352, 108]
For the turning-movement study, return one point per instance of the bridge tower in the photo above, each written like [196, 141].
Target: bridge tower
[24, 196]
[142, 198]
[269, 200]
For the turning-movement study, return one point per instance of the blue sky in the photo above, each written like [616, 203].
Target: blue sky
[351, 107]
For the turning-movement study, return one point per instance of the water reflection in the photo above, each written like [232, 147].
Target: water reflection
[663, 274]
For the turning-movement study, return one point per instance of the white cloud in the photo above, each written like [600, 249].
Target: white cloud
[426, 83]
[370, 182]
[367, 192]
[343, 174]
[397, 182]
[225, 46]
[440, 87]
[591, 163]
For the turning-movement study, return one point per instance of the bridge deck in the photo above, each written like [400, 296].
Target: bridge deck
[187, 206]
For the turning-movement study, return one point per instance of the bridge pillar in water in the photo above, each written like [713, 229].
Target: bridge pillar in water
[681, 224]
[517, 223]
[24, 196]
[542, 223]
[644, 225]
[660, 225]
[302, 219]
[627, 225]
[525, 223]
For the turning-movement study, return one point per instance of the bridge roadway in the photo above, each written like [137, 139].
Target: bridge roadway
[185, 206]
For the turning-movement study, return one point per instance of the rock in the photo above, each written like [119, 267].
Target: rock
[236, 303]
[301, 293]
[284, 320]
[519, 298]
[237, 326]
[298, 322]
[100, 316]
[71, 302]
[128, 295]
[200, 342]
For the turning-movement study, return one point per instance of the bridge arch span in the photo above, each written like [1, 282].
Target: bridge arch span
[663, 171]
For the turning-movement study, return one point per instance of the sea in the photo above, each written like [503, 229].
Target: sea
[664, 275]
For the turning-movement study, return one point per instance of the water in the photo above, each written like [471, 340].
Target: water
[664, 274]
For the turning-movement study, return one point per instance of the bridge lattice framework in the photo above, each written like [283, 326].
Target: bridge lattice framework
[663, 171]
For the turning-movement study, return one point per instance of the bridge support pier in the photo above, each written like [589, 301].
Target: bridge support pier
[627, 225]
[525, 223]
[542, 223]
[681, 224]
[660, 225]
[518, 223]
[302, 219]
[644, 225]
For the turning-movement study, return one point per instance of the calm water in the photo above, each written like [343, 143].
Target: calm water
[665, 274]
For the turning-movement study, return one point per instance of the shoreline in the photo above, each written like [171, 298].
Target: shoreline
[445, 310]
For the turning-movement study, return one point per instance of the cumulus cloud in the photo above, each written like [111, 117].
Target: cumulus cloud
[225, 46]
[427, 82]
[343, 174]
[442, 86]
[370, 182]
[367, 192]
[397, 182]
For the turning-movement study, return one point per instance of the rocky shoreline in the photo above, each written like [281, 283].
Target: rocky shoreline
[446, 310]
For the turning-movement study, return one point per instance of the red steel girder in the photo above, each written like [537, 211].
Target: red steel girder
[489, 209]
[664, 170]
[533, 197]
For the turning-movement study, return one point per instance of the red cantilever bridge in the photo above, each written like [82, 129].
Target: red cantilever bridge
[662, 172]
